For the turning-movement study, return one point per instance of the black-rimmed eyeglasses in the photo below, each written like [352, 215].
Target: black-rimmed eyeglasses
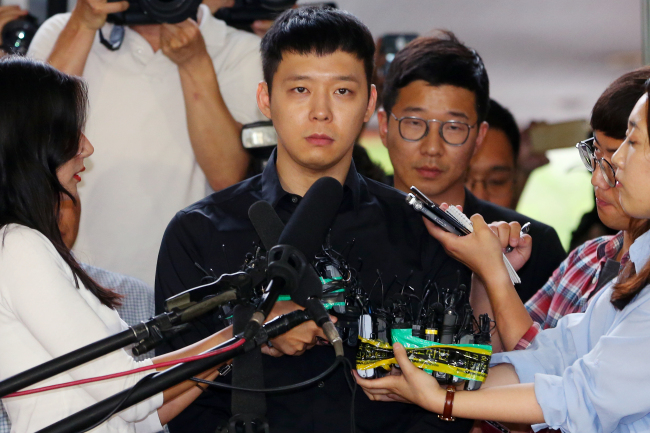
[589, 159]
[453, 132]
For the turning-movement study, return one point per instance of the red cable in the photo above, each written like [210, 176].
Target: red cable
[125, 373]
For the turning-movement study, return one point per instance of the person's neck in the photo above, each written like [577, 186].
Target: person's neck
[627, 241]
[297, 179]
[150, 33]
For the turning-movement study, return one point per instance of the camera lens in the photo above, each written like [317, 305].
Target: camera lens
[18, 34]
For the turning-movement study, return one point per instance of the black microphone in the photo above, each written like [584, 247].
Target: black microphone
[289, 268]
[266, 222]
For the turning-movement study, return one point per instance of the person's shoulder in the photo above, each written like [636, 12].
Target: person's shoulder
[223, 206]
[47, 35]
[590, 248]
[382, 190]
[493, 212]
[240, 40]
[14, 236]
[56, 22]
[113, 280]
[392, 201]
[20, 244]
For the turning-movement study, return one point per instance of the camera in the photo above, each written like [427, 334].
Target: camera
[18, 34]
[155, 11]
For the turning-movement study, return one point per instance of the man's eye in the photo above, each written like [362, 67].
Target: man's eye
[343, 91]
[300, 89]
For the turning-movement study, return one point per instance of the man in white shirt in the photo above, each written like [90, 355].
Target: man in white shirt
[165, 116]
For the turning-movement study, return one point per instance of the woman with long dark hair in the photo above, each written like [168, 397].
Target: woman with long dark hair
[48, 305]
[588, 374]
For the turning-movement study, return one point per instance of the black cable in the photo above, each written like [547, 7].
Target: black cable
[352, 384]
[121, 402]
[339, 360]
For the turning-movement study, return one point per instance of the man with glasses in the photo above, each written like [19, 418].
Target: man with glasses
[436, 97]
[492, 169]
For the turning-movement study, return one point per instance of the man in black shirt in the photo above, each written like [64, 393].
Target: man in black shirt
[317, 67]
[436, 97]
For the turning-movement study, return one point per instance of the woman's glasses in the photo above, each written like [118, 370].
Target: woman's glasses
[589, 159]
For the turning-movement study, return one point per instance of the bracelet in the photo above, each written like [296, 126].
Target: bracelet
[198, 385]
[449, 404]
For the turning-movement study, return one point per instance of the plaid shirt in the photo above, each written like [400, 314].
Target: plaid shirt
[137, 306]
[571, 286]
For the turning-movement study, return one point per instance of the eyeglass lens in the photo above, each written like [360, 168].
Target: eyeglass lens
[415, 129]
[589, 160]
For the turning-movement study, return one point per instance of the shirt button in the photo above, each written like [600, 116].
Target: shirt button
[295, 200]
[321, 384]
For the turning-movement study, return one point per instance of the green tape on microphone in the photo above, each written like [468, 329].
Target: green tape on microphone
[332, 296]
[466, 361]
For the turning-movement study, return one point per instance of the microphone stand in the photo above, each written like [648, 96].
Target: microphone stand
[148, 334]
[173, 376]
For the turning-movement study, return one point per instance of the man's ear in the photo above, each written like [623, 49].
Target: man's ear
[372, 101]
[264, 99]
[382, 118]
[482, 131]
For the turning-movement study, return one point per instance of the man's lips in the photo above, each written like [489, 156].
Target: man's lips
[429, 172]
[320, 139]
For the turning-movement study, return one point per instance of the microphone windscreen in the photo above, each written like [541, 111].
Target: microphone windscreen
[308, 226]
[266, 222]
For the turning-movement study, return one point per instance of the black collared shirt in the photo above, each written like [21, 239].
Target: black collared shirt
[547, 252]
[215, 234]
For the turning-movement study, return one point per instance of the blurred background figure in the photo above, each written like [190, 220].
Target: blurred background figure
[17, 28]
[492, 170]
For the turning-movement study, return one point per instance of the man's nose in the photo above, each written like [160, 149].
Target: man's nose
[321, 109]
[432, 144]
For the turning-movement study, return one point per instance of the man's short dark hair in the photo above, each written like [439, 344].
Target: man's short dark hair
[320, 31]
[439, 60]
[614, 106]
[499, 117]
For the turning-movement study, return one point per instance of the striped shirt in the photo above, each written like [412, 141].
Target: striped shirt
[572, 285]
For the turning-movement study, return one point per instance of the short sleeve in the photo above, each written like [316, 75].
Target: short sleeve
[239, 76]
[45, 38]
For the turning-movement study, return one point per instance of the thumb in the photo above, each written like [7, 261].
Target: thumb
[402, 358]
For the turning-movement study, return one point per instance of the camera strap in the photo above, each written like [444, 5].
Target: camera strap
[115, 39]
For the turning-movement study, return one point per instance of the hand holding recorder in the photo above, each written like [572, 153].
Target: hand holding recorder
[473, 242]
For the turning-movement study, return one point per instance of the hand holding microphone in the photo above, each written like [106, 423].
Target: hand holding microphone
[290, 258]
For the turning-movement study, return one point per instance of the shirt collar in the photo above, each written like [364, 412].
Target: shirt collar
[640, 251]
[610, 249]
[273, 192]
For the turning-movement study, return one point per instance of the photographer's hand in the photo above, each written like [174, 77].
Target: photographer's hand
[214, 133]
[73, 45]
[184, 44]
[7, 14]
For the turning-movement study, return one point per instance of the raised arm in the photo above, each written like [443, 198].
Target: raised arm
[481, 252]
[214, 133]
[73, 44]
